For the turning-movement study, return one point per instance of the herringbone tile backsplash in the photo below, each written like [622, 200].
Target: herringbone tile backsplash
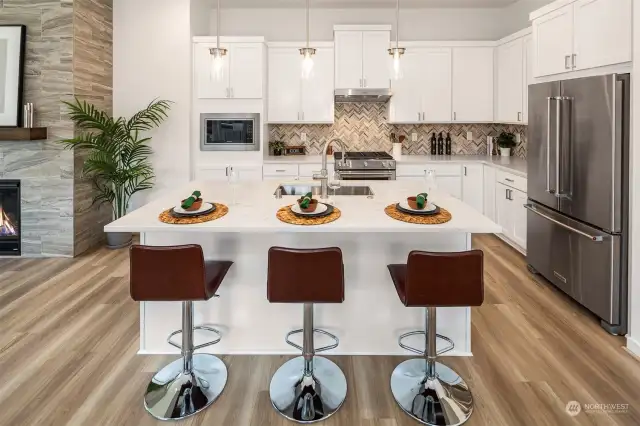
[364, 127]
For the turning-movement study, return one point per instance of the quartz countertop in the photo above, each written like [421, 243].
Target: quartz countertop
[256, 207]
[515, 165]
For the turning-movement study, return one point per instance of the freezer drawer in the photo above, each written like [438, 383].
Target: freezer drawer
[582, 261]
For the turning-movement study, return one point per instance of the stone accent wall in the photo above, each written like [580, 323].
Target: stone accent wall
[57, 30]
[92, 82]
[364, 127]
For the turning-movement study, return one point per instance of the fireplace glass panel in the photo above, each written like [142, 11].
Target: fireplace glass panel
[9, 217]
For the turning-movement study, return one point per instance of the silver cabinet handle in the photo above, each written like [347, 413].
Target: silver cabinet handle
[454, 116]
[506, 194]
[226, 171]
[360, 82]
[226, 92]
[519, 116]
[418, 116]
[423, 116]
[232, 95]
[465, 170]
[567, 58]
[573, 61]
[280, 171]
[303, 115]
[595, 238]
[364, 82]
[509, 180]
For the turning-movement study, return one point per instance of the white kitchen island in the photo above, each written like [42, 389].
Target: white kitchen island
[371, 317]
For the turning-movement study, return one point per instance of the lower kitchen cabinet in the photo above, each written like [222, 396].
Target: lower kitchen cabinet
[472, 186]
[489, 192]
[511, 215]
[451, 184]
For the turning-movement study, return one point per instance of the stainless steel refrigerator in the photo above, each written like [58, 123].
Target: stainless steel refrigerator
[578, 174]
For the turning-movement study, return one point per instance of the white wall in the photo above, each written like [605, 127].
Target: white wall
[516, 16]
[152, 59]
[415, 24]
[633, 337]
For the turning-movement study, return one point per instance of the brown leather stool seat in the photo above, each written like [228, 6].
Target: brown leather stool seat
[431, 392]
[180, 274]
[309, 388]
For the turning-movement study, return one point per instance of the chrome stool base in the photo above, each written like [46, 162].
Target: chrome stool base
[308, 399]
[443, 401]
[174, 394]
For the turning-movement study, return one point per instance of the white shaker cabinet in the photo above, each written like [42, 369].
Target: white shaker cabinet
[553, 35]
[510, 81]
[527, 75]
[602, 33]
[294, 100]
[221, 172]
[473, 186]
[518, 200]
[472, 84]
[242, 75]
[510, 213]
[405, 105]
[362, 59]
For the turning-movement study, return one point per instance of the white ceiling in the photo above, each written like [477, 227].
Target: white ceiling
[338, 4]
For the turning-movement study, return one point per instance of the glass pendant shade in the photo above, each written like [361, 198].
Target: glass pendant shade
[396, 67]
[217, 63]
[307, 62]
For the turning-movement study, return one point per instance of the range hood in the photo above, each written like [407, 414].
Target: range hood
[362, 95]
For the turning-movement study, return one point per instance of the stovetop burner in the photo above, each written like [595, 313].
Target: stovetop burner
[363, 156]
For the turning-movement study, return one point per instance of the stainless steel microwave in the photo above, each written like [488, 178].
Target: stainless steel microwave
[229, 132]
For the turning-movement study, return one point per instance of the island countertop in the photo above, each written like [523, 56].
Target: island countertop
[255, 210]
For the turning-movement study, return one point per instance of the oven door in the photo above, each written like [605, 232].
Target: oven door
[368, 175]
[229, 132]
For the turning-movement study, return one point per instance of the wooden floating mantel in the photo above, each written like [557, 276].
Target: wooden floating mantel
[22, 134]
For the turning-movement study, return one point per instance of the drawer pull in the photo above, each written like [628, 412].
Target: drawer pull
[595, 238]
[509, 180]
[280, 171]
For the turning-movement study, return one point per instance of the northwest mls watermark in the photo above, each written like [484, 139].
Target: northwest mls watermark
[574, 408]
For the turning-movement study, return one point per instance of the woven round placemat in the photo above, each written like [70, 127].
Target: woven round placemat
[220, 211]
[286, 215]
[443, 217]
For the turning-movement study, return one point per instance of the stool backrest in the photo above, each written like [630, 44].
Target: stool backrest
[445, 279]
[171, 273]
[305, 275]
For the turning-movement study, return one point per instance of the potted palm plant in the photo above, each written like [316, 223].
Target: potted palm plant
[117, 155]
[506, 141]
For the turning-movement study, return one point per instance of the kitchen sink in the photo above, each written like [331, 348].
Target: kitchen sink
[315, 190]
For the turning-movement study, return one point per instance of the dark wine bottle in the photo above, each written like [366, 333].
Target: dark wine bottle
[440, 144]
[447, 144]
[434, 147]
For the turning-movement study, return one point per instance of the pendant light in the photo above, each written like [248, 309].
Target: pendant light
[396, 52]
[217, 53]
[307, 54]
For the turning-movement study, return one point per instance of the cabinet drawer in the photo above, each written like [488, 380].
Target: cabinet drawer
[280, 170]
[420, 169]
[512, 181]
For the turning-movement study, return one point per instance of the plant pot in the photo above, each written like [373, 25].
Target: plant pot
[313, 205]
[195, 206]
[505, 152]
[413, 203]
[116, 240]
[277, 152]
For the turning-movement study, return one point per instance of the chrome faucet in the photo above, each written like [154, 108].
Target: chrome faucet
[323, 177]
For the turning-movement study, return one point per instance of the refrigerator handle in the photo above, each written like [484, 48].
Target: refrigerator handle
[596, 238]
[549, 99]
[558, 134]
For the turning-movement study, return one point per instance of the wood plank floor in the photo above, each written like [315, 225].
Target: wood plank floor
[69, 335]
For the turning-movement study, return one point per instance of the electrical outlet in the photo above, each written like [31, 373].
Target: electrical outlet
[414, 137]
[518, 137]
[469, 136]
[303, 137]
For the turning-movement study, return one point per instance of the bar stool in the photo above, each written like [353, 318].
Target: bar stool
[428, 391]
[180, 273]
[307, 389]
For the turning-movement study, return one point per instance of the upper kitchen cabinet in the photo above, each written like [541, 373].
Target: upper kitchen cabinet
[511, 82]
[472, 84]
[421, 96]
[293, 99]
[581, 35]
[361, 56]
[242, 76]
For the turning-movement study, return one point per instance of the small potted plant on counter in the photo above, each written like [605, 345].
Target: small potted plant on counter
[277, 147]
[506, 141]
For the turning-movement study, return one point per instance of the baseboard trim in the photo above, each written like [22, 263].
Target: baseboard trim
[512, 244]
[633, 346]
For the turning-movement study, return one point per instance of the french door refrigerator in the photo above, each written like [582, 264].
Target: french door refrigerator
[577, 188]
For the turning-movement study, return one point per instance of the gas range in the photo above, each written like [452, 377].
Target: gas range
[365, 166]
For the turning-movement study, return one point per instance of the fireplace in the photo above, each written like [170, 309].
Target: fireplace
[9, 217]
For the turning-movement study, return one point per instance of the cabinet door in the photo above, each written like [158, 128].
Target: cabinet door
[473, 84]
[504, 216]
[527, 76]
[602, 32]
[553, 40]
[436, 85]
[376, 59]
[489, 193]
[318, 91]
[472, 186]
[246, 70]
[214, 172]
[348, 59]
[207, 87]
[510, 81]
[248, 173]
[451, 185]
[519, 214]
[284, 85]
[405, 105]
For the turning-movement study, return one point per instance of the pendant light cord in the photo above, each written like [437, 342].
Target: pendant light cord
[397, 24]
[218, 27]
[308, 36]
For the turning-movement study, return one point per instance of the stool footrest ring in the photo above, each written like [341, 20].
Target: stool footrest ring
[199, 327]
[315, 330]
[421, 352]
